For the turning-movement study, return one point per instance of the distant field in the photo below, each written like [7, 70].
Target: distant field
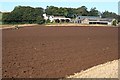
[49, 52]
[55, 24]
[74, 24]
[12, 26]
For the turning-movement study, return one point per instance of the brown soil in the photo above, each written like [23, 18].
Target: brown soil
[54, 52]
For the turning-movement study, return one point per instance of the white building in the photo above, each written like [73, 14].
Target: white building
[57, 19]
[45, 16]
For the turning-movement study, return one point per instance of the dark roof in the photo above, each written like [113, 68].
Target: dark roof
[88, 17]
[94, 18]
[106, 19]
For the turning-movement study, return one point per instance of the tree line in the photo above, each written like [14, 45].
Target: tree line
[24, 14]
[30, 15]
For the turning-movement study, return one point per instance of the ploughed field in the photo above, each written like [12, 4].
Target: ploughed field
[55, 52]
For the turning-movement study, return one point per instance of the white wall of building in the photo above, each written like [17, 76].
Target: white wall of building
[109, 23]
[52, 18]
[45, 16]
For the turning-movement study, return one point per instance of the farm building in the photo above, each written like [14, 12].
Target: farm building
[93, 20]
[56, 19]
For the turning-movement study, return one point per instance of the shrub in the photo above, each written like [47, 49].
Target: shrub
[40, 20]
[114, 22]
[48, 21]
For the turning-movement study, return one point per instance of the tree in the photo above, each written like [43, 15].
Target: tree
[5, 18]
[108, 14]
[71, 12]
[114, 22]
[93, 12]
[23, 14]
[40, 20]
[62, 11]
[51, 10]
[82, 11]
[47, 21]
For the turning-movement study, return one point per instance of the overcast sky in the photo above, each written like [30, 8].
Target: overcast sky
[101, 5]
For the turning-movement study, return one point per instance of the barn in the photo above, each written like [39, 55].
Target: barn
[93, 20]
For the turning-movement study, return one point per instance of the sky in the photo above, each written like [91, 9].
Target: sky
[111, 5]
[119, 8]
